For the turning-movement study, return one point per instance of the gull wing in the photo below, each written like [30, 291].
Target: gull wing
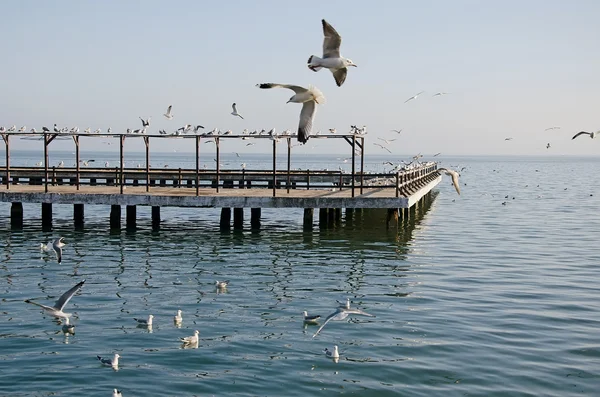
[337, 315]
[169, 109]
[296, 88]
[307, 115]
[331, 42]
[581, 133]
[66, 297]
[340, 76]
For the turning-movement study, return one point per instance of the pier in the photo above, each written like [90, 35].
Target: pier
[329, 191]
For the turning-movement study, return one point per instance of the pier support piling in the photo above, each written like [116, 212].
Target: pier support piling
[225, 221]
[115, 216]
[78, 215]
[16, 215]
[238, 218]
[155, 217]
[46, 215]
[392, 217]
[323, 217]
[130, 214]
[255, 218]
[308, 218]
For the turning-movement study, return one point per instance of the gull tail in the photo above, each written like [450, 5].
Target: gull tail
[317, 94]
[313, 63]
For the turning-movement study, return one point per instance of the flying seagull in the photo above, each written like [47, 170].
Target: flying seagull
[309, 98]
[591, 134]
[381, 146]
[398, 131]
[332, 59]
[441, 93]
[57, 309]
[235, 112]
[454, 176]
[414, 97]
[340, 314]
[145, 123]
[57, 246]
[552, 128]
[167, 115]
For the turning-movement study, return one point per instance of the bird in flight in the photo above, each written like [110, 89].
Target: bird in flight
[309, 97]
[441, 93]
[168, 115]
[454, 176]
[235, 112]
[381, 146]
[145, 123]
[332, 60]
[414, 96]
[340, 314]
[397, 131]
[552, 128]
[57, 309]
[591, 134]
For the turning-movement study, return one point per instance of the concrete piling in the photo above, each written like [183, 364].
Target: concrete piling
[78, 215]
[225, 221]
[308, 218]
[130, 215]
[16, 215]
[255, 218]
[238, 218]
[115, 217]
[46, 215]
[155, 217]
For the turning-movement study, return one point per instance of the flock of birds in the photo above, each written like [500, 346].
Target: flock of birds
[343, 311]
[592, 135]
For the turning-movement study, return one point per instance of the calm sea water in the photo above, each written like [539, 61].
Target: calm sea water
[494, 292]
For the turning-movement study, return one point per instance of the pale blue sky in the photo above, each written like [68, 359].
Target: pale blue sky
[513, 68]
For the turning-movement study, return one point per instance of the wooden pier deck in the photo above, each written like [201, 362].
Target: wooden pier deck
[217, 188]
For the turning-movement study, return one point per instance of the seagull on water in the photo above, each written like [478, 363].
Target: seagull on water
[169, 115]
[117, 393]
[57, 246]
[68, 328]
[178, 318]
[57, 309]
[221, 284]
[145, 322]
[454, 176]
[235, 112]
[309, 97]
[340, 314]
[414, 96]
[114, 362]
[332, 60]
[591, 134]
[332, 353]
[191, 340]
[310, 319]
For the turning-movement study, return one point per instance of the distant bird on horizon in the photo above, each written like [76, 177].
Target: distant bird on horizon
[548, 145]
[591, 134]
[552, 128]
[437, 154]
[332, 60]
[397, 131]
[454, 176]
[441, 93]
[169, 115]
[309, 97]
[387, 141]
[235, 112]
[381, 146]
[508, 139]
[414, 97]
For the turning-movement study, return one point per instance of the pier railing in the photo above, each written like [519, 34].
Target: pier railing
[404, 182]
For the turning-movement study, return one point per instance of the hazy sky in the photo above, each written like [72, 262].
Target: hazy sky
[513, 68]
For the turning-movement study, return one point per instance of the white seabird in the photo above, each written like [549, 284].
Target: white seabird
[178, 318]
[340, 314]
[332, 60]
[310, 319]
[332, 353]
[309, 97]
[191, 340]
[454, 176]
[381, 146]
[114, 362]
[592, 135]
[414, 96]
[221, 284]
[117, 393]
[57, 246]
[68, 328]
[145, 322]
[57, 309]
[235, 112]
[146, 123]
[169, 115]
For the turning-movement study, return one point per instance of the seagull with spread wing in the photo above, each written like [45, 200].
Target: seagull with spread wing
[57, 309]
[168, 115]
[309, 98]
[454, 176]
[332, 60]
[592, 135]
[235, 112]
